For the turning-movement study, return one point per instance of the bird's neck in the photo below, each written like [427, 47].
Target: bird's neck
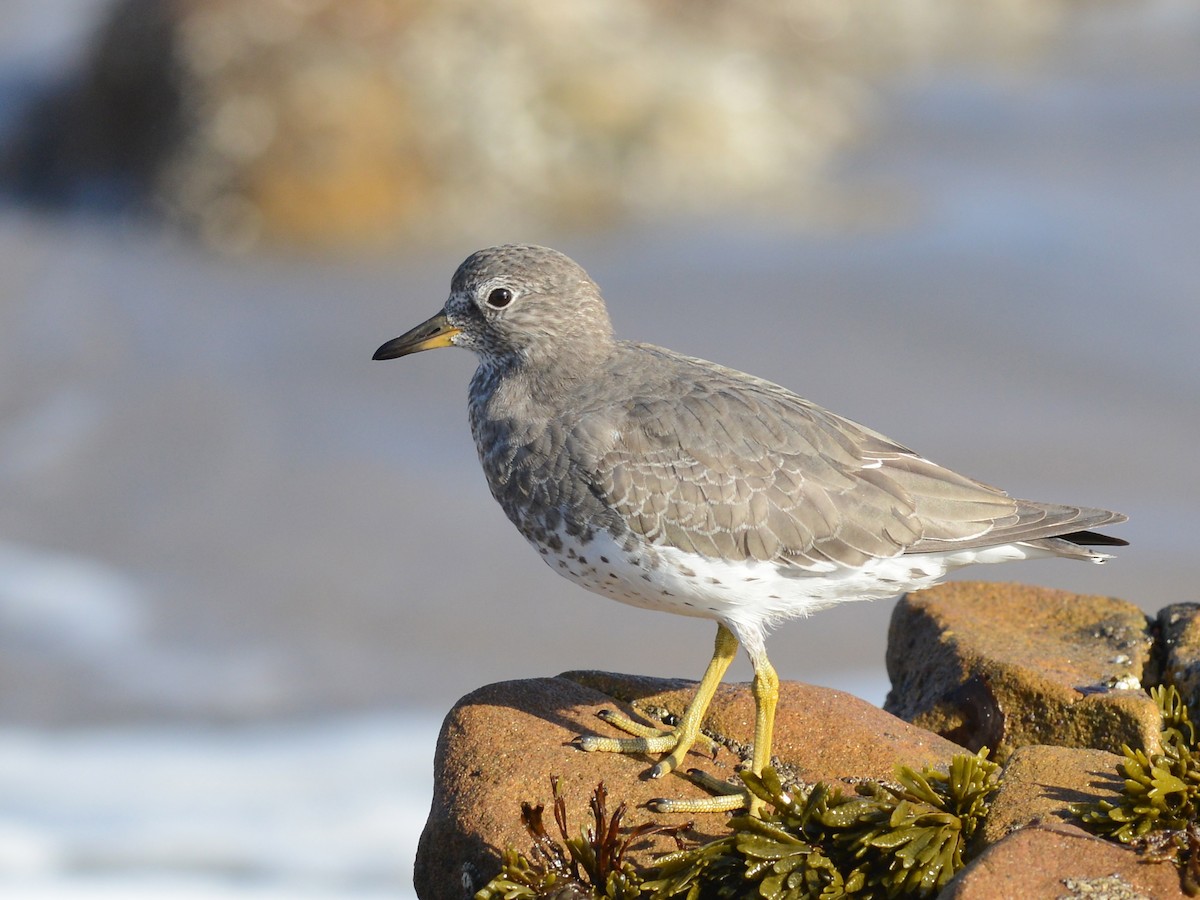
[538, 387]
[510, 410]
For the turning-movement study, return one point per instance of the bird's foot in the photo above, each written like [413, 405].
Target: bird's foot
[675, 742]
[726, 797]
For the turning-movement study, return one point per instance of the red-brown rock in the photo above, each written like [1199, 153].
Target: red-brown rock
[1040, 783]
[1179, 636]
[1061, 862]
[500, 744]
[1005, 665]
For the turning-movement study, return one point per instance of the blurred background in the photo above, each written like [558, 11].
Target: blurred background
[244, 571]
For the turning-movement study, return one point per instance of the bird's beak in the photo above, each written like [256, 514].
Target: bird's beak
[429, 335]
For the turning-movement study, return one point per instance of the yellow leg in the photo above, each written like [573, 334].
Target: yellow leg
[679, 740]
[765, 689]
[766, 697]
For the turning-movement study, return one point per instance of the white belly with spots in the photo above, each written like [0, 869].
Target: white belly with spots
[750, 596]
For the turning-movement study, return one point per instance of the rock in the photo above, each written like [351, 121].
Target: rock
[500, 744]
[1047, 678]
[1006, 665]
[821, 734]
[1039, 783]
[1064, 863]
[1179, 639]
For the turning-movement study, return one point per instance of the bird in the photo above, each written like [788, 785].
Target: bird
[671, 483]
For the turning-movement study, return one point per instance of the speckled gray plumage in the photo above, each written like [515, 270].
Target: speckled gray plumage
[675, 484]
[577, 430]
[679, 464]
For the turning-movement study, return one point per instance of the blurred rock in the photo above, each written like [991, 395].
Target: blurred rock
[500, 744]
[1005, 665]
[102, 138]
[318, 122]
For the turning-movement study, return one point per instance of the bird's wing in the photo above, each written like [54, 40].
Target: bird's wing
[727, 465]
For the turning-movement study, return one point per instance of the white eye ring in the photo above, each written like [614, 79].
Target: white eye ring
[499, 298]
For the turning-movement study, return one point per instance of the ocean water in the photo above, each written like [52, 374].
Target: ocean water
[244, 570]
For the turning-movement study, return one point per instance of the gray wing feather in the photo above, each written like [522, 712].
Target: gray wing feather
[716, 462]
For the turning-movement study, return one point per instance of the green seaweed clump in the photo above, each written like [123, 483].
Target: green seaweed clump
[907, 840]
[1158, 809]
[592, 865]
[903, 840]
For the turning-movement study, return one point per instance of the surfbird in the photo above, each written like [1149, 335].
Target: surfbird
[675, 484]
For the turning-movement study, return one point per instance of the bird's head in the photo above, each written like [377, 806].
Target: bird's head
[516, 305]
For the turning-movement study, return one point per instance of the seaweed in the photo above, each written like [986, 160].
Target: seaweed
[819, 843]
[1158, 808]
[592, 865]
[905, 840]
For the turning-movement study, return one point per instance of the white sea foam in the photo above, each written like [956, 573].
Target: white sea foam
[66, 602]
[320, 809]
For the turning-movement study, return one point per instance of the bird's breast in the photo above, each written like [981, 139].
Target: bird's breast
[534, 474]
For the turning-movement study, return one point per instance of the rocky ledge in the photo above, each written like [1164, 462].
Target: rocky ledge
[1051, 681]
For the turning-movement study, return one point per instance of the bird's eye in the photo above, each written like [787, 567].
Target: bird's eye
[499, 298]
